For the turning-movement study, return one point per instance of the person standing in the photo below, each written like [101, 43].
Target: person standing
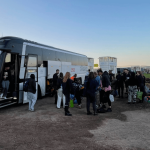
[88, 72]
[106, 88]
[119, 78]
[100, 73]
[91, 89]
[143, 78]
[97, 78]
[5, 82]
[127, 77]
[59, 91]
[67, 86]
[31, 92]
[55, 78]
[132, 88]
[141, 84]
[73, 77]
[111, 76]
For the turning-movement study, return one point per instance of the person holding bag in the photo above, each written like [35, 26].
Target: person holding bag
[106, 88]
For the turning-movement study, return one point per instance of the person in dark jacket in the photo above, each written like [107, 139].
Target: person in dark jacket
[31, 92]
[106, 91]
[60, 80]
[111, 76]
[143, 78]
[100, 73]
[59, 91]
[127, 77]
[67, 86]
[91, 89]
[5, 82]
[119, 78]
[55, 78]
[141, 84]
[132, 88]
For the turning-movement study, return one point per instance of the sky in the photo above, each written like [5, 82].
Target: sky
[96, 28]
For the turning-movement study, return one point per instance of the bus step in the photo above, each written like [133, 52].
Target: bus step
[7, 104]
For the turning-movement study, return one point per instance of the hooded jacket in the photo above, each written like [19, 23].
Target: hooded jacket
[132, 81]
[32, 86]
[105, 79]
[67, 87]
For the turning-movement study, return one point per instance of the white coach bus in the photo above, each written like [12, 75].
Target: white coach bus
[26, 57]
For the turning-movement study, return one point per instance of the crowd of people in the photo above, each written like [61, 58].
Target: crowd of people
[134, 82]
[95, 82]
[98, 83]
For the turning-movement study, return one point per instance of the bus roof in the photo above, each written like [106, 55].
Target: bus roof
[32, 42]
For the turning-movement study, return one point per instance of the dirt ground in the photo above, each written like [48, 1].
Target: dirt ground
[127, 127]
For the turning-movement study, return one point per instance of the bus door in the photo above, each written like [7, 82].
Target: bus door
[31, 68]
[2, 62]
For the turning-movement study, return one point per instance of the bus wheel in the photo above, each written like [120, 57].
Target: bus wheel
[39, 92]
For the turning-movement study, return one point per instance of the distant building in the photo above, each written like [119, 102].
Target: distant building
[91, 63]
[108, 63]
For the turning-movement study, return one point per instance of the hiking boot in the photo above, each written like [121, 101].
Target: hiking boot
[89, 113]
[67, 114]
[109, 110]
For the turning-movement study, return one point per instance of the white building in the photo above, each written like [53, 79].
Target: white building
[91, 64]
[135, 68]
[108, 63]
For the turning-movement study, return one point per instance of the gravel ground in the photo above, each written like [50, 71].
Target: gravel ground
[125, 128]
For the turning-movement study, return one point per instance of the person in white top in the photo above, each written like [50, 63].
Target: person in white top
[88, 72]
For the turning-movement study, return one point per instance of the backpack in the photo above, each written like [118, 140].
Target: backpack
[25, 86]
[73, 88]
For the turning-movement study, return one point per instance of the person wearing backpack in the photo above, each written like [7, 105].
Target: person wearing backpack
[31, 92]
[67, 86]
